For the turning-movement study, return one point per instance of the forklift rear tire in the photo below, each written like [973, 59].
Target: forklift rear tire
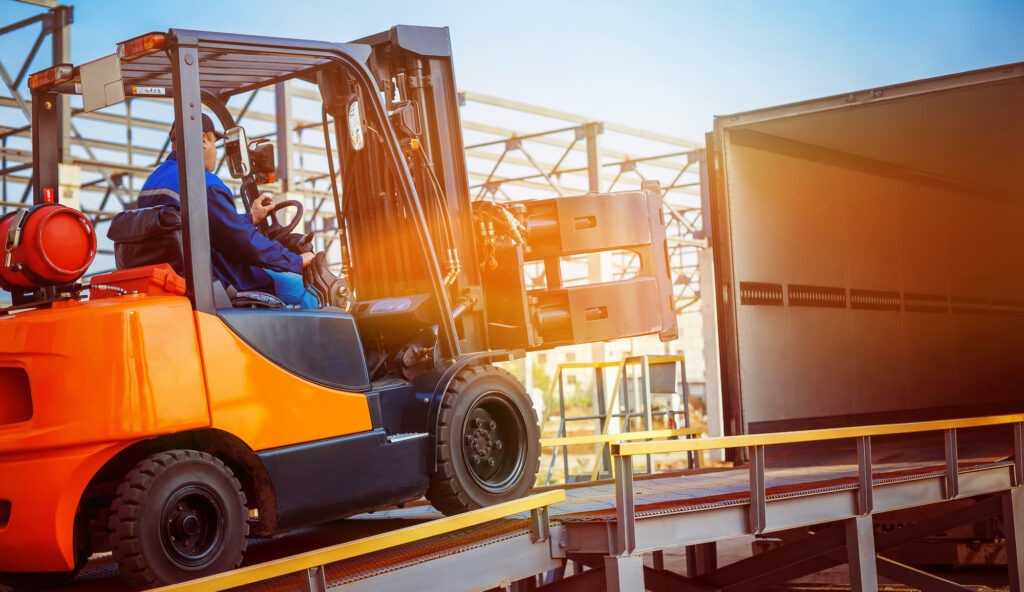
[488, 442]
[178, 515]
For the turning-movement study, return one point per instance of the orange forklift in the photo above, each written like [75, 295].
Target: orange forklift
[167, 419]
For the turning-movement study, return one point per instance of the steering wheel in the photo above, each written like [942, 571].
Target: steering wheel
[276, 230]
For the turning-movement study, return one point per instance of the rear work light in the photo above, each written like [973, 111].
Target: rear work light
[50, 76]
[140, 46]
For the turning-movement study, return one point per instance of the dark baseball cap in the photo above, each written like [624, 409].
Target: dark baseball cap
[207, 127]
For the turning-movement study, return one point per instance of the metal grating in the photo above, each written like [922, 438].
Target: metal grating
[925, 302]
[816, 296]
[874, 299]
[1008, 308]
[974, 306]
[761, 294]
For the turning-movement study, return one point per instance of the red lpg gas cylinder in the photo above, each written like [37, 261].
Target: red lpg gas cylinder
[47, 244]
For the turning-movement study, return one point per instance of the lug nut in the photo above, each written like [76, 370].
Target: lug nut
[493, 424]
[491, 461]
[498, 444]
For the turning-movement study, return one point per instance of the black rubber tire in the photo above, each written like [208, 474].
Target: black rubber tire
[485, 415]
[178, 515]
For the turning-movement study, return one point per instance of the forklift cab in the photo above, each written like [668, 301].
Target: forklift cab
[432, 275]
[200, 70]
[304, 416]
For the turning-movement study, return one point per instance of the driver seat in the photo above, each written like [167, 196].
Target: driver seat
[146, 236]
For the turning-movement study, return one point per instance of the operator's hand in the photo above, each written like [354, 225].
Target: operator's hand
[261, 208]
[307, 258]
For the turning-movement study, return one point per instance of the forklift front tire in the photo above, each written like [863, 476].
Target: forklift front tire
[488, 442]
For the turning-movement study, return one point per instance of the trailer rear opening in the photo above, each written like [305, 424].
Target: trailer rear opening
[868, 254]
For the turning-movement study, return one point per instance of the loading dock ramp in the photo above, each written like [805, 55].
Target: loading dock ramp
[603, 530]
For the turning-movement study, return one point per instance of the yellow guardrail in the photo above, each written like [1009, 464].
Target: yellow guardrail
[566, 441]
[631, 361]
[631, 409]
[623, 437]
[623, 453]
[660, 447]
[313, 560]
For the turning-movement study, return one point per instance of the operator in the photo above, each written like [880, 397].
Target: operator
[242, 257]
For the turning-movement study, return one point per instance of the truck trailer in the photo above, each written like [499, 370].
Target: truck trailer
[866, 255]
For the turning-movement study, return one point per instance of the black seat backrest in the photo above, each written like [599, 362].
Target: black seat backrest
[146, 236]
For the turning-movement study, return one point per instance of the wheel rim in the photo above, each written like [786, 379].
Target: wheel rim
[192, 527]
[494, 435]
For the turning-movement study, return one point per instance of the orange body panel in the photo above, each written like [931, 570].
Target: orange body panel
[44, 489]
[107, 373]
[103, 375]
[265, 405]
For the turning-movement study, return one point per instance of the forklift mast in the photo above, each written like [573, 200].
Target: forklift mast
[483, 247]
[413, 68]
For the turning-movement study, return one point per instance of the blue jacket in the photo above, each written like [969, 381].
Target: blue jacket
[238, 249]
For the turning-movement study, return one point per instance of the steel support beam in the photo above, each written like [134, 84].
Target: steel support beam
[824, 550]
[701, 559]
[860, 554]
[526, 108]
[661, 580]
[624, 573]
[581, 581]
[1013, 527]
[952, 464]
[865, 487]
[625, 522]
[189, 133]
[59, 25]
[1018, 454]
[313, 580]
[764, 569]
[46, 131]
[43, 3]
[916, 578]
[285, 125]
[758, 501]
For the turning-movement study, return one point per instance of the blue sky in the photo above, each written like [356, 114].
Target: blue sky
[661, 65]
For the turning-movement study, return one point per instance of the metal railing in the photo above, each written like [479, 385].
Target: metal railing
[631, 402]
[624, 452]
